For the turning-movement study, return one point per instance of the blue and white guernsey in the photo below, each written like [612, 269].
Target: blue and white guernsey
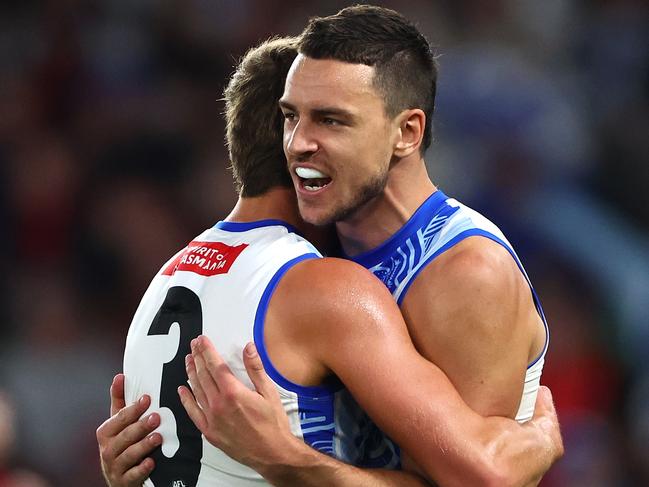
[220, 285]
[437, 225]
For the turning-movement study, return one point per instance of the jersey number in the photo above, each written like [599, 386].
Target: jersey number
[181, 306]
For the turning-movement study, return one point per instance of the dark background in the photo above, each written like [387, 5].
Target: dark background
[112, 158]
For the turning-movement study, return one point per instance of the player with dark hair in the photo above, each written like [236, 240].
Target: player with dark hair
[354, 141]
[316, 322]
[388, 42]
[358, 104]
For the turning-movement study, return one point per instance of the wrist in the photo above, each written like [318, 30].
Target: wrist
[284, 466]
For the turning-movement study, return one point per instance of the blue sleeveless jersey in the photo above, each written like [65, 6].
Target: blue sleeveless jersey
[437, 225]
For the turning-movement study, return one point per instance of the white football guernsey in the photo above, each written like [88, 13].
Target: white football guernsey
[220, 285]
[437, 225]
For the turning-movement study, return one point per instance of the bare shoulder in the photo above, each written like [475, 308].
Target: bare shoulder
[477, 266]
[332, 268]
[324, 314]
[331, 279]
[476, 278]
[478, 260]
[338, 292]
[471, 312]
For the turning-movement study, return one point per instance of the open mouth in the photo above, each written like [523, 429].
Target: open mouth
[312, 179]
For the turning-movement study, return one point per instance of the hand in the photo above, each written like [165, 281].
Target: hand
[123, 440]
[546, 419]
[251, 427]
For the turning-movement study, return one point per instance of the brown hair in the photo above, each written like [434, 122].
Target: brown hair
[254, 123]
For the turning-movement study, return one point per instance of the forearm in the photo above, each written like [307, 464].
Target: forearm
[522, 454]
[304, 466]
[513, 455]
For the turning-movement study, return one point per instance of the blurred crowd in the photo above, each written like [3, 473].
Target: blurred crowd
[112, 158]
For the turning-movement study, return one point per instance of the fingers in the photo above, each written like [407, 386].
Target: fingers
[123, 418]
[221, 373]
[193, 409]
[129, 441]
[257, 374]
[203, 374]
[124, 440]
[117, 394]
[213, 373]
[138, 474]
[132, 457]
[202, 347]
[196, 384]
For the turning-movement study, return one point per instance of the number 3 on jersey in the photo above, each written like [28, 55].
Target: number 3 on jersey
[181, 306]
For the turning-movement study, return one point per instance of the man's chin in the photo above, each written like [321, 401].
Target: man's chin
[315, 216]
[318, 221]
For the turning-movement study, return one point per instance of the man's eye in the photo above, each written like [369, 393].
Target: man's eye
[330, 121]
[289, 116]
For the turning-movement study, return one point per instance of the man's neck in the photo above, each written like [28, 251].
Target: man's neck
[408, 186]
[281, 204]
[276, 204]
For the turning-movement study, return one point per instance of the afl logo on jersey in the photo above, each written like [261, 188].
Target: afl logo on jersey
[205, 258]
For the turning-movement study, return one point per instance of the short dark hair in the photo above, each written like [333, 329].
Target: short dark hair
[405, 68]
[254, 123]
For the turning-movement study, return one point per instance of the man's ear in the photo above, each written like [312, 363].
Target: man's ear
[411, 124]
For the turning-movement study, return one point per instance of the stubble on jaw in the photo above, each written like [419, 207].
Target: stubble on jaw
[370, 190]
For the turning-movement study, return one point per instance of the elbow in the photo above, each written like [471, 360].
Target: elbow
[482, 472]
[494, 474]
[496, 479]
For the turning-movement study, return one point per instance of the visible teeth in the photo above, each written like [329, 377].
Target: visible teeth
[312, 188]
[309, 173]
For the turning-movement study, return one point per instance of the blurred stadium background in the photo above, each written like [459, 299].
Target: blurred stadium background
[112, 158]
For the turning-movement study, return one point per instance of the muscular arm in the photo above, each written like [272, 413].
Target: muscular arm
[310, 468]
[346, 322]
[471, 313]
[301, 465]
[253, 429]
[351, 324]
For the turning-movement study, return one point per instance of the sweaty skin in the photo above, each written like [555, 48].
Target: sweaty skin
[470, 311]
[358, 333]
[345, 322]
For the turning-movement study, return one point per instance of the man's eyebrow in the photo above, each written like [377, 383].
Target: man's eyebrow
[328, 111]
[322, 112]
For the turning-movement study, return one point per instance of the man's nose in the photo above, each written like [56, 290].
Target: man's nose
[300, 141]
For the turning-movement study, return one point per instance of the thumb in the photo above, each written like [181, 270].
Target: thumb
[544, 402]
[117, 401]
[257, 373]
[546, 418]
